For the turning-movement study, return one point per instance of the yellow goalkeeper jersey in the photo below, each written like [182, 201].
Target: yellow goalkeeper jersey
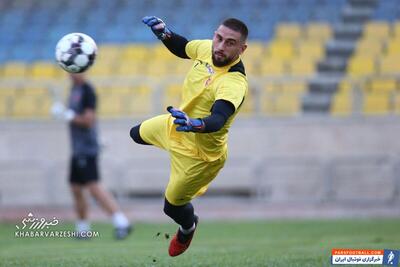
[203, 85]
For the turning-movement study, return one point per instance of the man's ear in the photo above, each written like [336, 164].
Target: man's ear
[243, 48]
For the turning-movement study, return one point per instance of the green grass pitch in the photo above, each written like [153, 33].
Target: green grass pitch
[233, 243]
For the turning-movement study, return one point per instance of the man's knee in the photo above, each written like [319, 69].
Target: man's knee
[182, 215]
[174, 210]
[77, 191]
[135, 135]
[169, 209]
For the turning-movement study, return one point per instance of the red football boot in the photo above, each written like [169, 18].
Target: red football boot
[177, 247]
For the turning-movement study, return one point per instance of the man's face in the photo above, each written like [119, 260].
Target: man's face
[227, 46]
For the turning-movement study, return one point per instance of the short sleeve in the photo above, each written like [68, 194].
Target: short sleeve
[232, 88]
[194, 48]
[89, 98]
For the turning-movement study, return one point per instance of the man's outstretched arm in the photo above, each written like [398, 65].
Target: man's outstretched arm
[220, 113]
[174, 42]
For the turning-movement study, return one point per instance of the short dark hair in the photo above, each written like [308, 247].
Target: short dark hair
[237, 26]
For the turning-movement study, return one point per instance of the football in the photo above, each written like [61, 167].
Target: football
[76, 52]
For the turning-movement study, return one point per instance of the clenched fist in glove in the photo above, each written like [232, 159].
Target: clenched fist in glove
[185, 123]
[157, 26]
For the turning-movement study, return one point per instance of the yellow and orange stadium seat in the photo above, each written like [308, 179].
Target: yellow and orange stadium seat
[273, 67]
[109, 52]
[376, 103]
[311, 49]
[288, 31]
[294, 87]
[281, 49]
[7, 95]
[371, 48]
[361, 66]
[136, 52]
[110, 106]
[396, 104]
[271, 88]
[318, 31]
[172, 95]
[249, 104]
[393, 47]
[382, 85]
[102, 68]
[389, 65]
[140, 100]
[342, 103]
[301, 67]
[15, 69]
[44, 70]
[287, 104]
[396, 29]
[377, 30]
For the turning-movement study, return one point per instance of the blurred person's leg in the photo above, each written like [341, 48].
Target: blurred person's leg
[108, 204]
[103, 197]
[84, 171]
[77, 165]
[81, 208]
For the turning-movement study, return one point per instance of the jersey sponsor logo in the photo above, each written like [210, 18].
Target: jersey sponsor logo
[209, 68]
[211, 72]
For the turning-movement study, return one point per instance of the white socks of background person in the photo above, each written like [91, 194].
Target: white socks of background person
[119, 220]
[82, 226]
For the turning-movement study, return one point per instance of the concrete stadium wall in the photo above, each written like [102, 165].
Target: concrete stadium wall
[305, 159]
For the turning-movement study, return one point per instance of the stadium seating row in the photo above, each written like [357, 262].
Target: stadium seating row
[373, 96]
[30, 29]
[295, 50]
[372, 72]
[377, 52]
[373, 103]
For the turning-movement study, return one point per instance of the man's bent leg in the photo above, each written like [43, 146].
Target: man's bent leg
[153, 131]
[182, 215]
[185, 217]
[189, 177]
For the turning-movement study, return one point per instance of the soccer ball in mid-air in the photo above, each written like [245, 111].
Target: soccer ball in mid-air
[76, 52]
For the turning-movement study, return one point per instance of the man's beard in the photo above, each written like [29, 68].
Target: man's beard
[221, 63]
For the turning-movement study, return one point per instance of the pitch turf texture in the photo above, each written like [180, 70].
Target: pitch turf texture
[255, 243]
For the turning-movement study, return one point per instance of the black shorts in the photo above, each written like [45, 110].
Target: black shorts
[83, 169]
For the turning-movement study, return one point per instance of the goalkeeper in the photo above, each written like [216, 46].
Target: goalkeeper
[196, 133]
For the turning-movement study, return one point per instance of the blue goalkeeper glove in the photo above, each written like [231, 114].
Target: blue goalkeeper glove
[157, 26]
[185, 123]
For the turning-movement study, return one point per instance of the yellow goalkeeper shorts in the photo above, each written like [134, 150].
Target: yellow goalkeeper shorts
[189, 176]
